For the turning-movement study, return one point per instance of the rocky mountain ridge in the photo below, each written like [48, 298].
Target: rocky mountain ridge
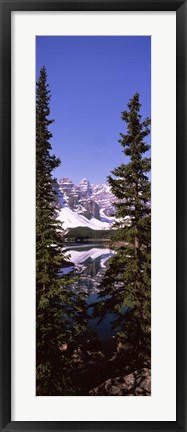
[86, 204]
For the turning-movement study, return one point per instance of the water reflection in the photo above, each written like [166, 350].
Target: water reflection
[90, 265]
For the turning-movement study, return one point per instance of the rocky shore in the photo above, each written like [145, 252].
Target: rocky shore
[137, 383]
[109, 369]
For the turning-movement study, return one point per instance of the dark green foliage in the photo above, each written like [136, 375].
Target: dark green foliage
[84, 233]
[60, 314]
[127, 282]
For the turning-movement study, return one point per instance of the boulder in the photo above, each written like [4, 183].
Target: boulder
[137, 383]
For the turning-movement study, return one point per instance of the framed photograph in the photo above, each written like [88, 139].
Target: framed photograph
[93, 224]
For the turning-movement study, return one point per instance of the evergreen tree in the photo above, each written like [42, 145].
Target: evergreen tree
[60, 314]
[126, 288]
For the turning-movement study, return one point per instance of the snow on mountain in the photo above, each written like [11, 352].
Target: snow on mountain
[103, 196]
[84, 187]
[85, 204]
[105, 218]
[72, 219]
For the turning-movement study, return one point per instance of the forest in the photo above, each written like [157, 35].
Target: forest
[70, 357]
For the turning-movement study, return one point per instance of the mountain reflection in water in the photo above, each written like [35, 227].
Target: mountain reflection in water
[90, 265]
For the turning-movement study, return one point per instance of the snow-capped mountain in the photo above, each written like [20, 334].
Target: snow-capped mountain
[85, 204]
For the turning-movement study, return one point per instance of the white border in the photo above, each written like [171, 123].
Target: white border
[162, 404]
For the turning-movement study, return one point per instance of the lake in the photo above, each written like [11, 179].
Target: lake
[90, 265]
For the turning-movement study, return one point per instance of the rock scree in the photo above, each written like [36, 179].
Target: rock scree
[137, 383]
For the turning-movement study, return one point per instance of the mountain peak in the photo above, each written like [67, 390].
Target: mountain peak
[84, 180]
[87, 201]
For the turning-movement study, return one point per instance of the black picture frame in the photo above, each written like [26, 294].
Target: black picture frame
[5, 211]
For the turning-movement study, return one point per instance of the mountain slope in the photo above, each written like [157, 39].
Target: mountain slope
[85, 205]
[72, 219]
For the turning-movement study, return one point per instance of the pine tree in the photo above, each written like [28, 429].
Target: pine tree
[60, 314]
[126, 288]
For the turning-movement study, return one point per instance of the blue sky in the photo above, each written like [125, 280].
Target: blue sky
[91, 79]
